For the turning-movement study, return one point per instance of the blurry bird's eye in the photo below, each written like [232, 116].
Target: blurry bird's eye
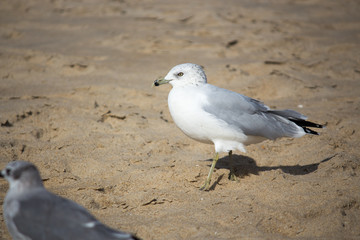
[180, 74]
[8, 171]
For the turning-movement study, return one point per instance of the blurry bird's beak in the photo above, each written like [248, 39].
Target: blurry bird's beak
[1, 175]
[160, 81]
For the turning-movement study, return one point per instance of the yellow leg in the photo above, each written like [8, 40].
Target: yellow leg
[232, 170]
[206, 185]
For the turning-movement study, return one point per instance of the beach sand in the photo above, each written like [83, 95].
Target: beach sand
[76, 100]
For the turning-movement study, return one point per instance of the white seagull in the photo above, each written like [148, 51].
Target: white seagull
[33, 213]
[227, 119]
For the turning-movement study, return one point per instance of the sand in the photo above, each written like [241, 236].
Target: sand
[76, 100]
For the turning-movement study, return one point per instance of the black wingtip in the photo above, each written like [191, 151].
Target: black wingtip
[305, 124]
[309, 131]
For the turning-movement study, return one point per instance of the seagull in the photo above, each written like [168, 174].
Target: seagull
[33, 213]
[227, 119]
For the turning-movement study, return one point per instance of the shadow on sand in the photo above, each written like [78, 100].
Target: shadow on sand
[245, 166]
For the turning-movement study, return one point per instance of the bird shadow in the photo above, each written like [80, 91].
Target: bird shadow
[244, 166]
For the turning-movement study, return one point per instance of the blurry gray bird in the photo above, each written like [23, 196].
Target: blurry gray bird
[227, 119]
[32, 212]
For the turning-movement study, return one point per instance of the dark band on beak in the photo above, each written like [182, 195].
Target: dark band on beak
[160, 81]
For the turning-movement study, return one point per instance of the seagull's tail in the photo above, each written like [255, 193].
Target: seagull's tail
[304, 124]
[299, 120]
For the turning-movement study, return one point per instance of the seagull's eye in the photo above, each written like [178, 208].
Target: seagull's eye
[180, 74]
[8, 171]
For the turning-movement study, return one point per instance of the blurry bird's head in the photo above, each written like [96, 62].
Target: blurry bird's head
[21, 174]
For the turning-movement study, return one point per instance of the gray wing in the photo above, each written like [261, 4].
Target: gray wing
[289, 114]
[250, 116]
[44, 215]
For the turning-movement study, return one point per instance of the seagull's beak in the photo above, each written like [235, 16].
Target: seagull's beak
[160, 81]
[1, 174]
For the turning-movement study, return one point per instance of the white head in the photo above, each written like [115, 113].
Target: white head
[21, 174]
[184, 74]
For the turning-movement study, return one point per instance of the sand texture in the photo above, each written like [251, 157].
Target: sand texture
[76, 100]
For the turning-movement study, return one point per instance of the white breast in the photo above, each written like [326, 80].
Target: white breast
[185, 109]
[11, 208]
[185, 105]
